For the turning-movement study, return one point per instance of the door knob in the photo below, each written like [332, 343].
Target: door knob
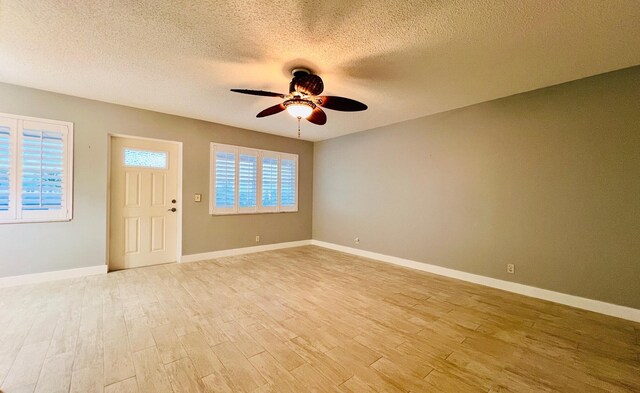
[173, 209]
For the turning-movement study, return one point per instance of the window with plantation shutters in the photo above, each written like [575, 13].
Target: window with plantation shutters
[35, 169]
[245, 180]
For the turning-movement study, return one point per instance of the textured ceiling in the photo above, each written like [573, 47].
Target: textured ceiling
[404, 58]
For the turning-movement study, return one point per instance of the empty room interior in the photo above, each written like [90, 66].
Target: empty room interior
[319, 196]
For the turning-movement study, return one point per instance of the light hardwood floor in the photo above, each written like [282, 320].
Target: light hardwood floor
[300, 320]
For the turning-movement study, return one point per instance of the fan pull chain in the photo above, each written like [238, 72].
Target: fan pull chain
[299, 127]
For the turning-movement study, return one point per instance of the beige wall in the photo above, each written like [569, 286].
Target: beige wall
[32, 248]
[548, 180]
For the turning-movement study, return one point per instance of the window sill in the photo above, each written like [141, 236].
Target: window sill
[249, 213]
[32, 221]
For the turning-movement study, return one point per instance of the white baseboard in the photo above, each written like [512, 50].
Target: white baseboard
[614, 310]
[52, 276]
[240, 251]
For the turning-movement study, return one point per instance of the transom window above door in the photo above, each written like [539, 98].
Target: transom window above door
[245, 180]
[36, 178]
[145, 158]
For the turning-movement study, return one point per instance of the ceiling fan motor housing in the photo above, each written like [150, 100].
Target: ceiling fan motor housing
[305, 82]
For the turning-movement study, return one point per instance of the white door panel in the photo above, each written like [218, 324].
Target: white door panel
[132, 188]
[158, 189]
[131, 235]
[158, 232]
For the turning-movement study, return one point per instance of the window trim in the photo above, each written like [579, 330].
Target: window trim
[259, 154]
[15, 214]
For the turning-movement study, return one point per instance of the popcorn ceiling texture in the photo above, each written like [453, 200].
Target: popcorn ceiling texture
[404, 58]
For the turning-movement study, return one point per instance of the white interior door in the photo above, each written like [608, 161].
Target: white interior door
[143, 227]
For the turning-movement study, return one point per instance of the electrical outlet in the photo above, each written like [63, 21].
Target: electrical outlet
[356, 240]
[511, 268]
[197, 197]
[257, 239]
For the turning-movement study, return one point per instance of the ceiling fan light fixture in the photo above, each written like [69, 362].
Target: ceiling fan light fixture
[304, 99]
[299, 108]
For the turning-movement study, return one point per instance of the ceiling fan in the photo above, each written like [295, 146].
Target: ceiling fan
[304, 101]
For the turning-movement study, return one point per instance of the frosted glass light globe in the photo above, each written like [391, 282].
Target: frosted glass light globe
[299, 110]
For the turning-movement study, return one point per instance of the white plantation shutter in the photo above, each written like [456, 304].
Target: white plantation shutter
[288, 183]
[42, 170]
[270, 183]
[225, 181]
[7, 168]
[248, 181]
[35, 170]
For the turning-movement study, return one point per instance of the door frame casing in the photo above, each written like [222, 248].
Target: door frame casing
[179, 144]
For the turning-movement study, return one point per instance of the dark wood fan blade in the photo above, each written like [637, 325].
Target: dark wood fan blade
[258, 93]
[272, 110]
[318, 116]
[342, 104]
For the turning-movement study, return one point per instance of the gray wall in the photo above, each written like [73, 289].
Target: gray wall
[33, 247]
[548, 180]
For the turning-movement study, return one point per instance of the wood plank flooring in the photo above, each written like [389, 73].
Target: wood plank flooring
[302, 320]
